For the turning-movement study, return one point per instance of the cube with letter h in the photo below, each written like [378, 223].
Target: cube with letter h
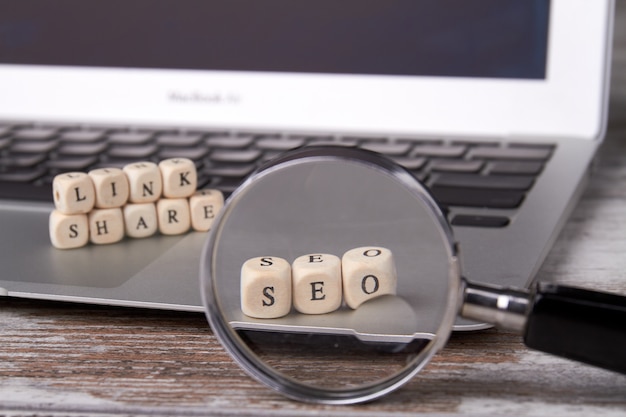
[266, 287]
[368, 272]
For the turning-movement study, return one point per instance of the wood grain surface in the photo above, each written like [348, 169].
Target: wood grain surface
[67, 359]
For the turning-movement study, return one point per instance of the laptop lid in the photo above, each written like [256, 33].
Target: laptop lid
[531, 68]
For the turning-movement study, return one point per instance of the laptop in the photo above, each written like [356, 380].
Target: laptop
[499, 107]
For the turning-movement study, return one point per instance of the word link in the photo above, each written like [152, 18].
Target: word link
[106, 204]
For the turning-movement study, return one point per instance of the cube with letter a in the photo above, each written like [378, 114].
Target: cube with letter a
[266, 287]
[368, 272]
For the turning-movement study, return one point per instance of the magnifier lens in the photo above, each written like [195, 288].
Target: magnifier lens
[328, 201]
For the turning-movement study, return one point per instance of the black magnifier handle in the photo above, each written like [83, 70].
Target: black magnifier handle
[583, 325]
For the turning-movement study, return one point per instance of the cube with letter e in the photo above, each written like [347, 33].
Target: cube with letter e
[316, 283]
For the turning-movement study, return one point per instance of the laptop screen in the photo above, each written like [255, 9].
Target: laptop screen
[500, 39]
[495, 68]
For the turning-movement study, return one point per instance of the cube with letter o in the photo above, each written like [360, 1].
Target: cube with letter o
[368, 272]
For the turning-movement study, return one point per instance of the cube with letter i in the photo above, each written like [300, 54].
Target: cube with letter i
[368, 272]
[266, 287]
[111, 187]
[316, 283]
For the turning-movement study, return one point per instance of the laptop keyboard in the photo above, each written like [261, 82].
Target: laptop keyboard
[459, 174]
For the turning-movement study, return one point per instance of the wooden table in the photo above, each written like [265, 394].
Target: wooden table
[64, 359]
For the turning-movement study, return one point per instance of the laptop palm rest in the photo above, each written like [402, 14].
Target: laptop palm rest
[150, 271]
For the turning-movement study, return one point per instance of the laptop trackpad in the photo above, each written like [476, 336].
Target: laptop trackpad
[28, 255]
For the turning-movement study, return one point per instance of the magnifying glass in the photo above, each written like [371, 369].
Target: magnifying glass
[351, 208]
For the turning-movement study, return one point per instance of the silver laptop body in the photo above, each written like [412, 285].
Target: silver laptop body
[555, 106]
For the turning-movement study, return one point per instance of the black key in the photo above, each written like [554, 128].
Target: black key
[278, 143]
[33, 147]
[476, 197]
[412, 164]
[488, 152]
[21, 161]
[82, 136]
[230, 142]
[388, 148]
[179, 140]
[25, 191]
[82, 148]
[4, 143]
[232, 171]
[35, 134]
[440, 151]
[237, 156]
[130, 138]
[25, 175]
[502, 182]
[5, 130]
[480, 221]
[344, 142]
[456, 165]
[190, 153]
[132, 152]
[228, 185]
[515, 167]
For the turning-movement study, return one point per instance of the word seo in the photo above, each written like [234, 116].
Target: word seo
[316, 283]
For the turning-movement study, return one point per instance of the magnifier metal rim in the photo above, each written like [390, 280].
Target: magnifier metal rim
[290, 387]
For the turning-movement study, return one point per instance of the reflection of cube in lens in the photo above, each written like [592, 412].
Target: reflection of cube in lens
[266, 287]
[368, 272]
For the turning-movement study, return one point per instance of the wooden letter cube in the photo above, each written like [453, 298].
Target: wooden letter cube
[106, 226]
[368, 272]
[316, 283]
[111, 186]
[173, 215]
[68, 231]
[266, 287]
[140, 220]
[73, 193]
[204, 206]
[144, 180]
[180, 178]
